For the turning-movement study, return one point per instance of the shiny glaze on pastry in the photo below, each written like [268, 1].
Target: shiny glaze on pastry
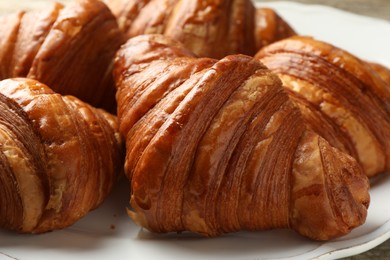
[70, 48]
[341, 97]
[208, 28]
[215, 146]
[59, 157]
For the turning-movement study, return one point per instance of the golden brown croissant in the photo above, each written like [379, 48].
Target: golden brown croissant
[69, 48]
[383, 71]
[208, 28]
[340, 96]
[215, 146]
[59, 157]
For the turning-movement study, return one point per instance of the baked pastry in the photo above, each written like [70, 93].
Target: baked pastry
[69, 48]
[215, 146]
[383, 71]
[340, 96]
[59, 157]
[208, 28]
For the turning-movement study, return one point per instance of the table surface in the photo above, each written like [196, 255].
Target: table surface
[373, 8]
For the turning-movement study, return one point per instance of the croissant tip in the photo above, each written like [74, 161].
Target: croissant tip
[137, 218]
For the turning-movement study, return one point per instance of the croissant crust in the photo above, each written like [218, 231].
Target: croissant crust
[59, 157]
[215, 146]
[207, 28]
[342, 98]
[69, 48]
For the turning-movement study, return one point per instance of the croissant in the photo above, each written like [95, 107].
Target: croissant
[69, 48]
[208, 28]
[59, 157]
[383, 71]
[340, 96]
[215, 146]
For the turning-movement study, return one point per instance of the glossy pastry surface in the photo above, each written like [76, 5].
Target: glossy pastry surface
[70, 48]
[59, 157]
[340, 96]
[208, 28]
[215, 146]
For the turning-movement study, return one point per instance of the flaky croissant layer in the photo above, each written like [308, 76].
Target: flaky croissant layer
[70, 48]
[215, 146]
[344, 99]
[59, 157]
[208, 28]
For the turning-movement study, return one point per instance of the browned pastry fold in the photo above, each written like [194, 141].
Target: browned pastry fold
[340, 96]
[270, 27]
[59, 157]
[215, 146]
[208, 28]
[69, 48]
[384, 72]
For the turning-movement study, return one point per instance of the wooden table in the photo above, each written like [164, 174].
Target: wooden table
[374, 8]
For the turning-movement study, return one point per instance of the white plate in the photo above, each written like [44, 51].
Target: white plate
[107, 233]
[7, 6]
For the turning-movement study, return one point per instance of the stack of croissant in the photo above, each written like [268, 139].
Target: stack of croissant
[220, 116]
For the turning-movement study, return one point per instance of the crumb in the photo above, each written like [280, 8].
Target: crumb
[112, 227]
